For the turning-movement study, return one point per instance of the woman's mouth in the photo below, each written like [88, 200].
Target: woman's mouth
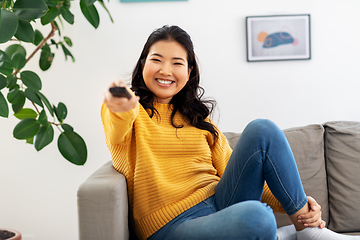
[165, 82]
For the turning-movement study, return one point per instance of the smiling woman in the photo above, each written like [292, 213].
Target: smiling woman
[166, 70]
[166, 82]
[182, 62]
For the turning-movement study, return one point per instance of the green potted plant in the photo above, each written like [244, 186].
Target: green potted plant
[18, 86]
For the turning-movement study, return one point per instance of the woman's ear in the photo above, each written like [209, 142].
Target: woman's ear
[190, 69]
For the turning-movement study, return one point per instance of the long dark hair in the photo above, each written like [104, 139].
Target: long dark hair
[189, 100]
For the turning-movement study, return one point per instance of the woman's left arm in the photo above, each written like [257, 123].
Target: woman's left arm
[313, 217]
[221, 152]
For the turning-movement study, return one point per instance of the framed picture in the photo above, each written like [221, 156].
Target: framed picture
[280, 37]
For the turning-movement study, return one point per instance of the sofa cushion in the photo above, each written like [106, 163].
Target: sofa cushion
[307, 144]
[342, 153]
[308, 147]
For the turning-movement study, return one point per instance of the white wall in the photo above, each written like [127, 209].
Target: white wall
[38, 190]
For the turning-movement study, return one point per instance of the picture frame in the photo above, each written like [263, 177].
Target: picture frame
[278, 37]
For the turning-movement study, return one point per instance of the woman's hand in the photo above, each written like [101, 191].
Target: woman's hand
[313, 217]
[119, 104]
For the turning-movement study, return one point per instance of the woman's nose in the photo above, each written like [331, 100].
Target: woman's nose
[165, 69]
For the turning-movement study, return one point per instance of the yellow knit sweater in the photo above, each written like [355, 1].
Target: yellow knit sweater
[168, 170]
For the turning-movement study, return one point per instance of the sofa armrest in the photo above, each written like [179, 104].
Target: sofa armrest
[103, 206]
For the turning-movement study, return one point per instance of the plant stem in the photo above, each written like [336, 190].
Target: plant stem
[56, 124]
[41, 45]
[43, 42]
[58, 128]
[37, 110]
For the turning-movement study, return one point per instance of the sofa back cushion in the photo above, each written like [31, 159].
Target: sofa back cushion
[342, 153]
[307, 144]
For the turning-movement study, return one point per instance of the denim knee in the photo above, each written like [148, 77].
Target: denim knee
[259, 220]
[263, 131]
[262, 126]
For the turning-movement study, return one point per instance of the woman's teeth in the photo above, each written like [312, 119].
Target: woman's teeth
[164, 81]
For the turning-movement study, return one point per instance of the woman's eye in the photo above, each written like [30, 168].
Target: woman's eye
[178, 63]
[155, 60]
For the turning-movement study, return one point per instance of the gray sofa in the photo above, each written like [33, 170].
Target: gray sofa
[328, 158]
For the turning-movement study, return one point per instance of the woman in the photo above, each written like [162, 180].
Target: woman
[184, 181]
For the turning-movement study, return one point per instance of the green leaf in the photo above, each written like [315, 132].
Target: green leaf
[89, 2]
[54, 43]
[33, 96]
[46, 59]
[57, 26]
[19, 104]
[46, 48]
[8, 25]
[3, 82]
[6, 66]
[53, 3]
[44, 137]
[26, 128]
[18, 60]
[11, 80]
[4, 108]
[103, 5]
[14, 95]
[46, 102]
[30, 140]
[12, 49]
[7, 3]
[30, 10]
[67, 127]
[38, 37]
[67, 15]
[72, 147]
[66, 4]
[90, 13]
[31, 80]
[26, 113]
[50, 15]
[67, 52]
[60, 112]
[25, 31]
[43, 118]
[68, 41]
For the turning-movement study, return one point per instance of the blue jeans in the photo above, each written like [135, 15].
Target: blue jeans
[235, 211]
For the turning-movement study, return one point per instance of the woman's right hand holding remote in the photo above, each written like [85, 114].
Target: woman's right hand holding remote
[119, 104]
